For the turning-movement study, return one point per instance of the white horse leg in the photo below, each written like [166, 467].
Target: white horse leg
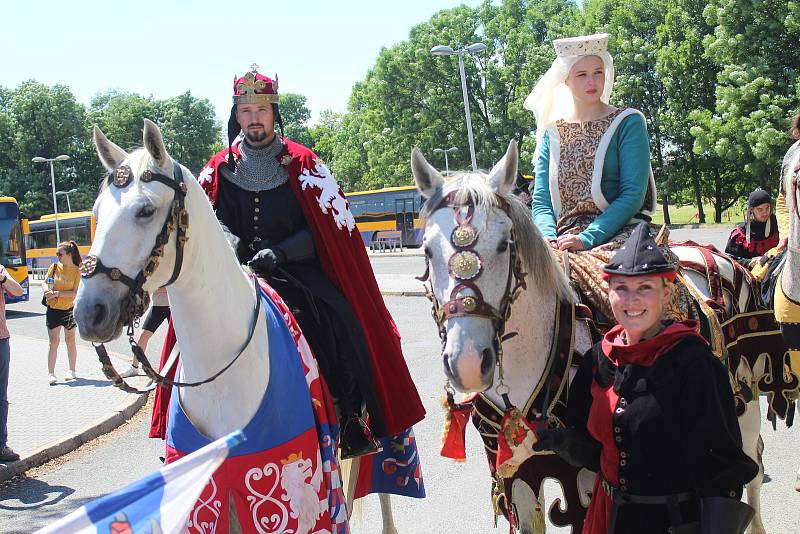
[386, 513]
[750, 424]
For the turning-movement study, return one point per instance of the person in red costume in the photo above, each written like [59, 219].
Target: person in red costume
[287, 218]
[652, 411]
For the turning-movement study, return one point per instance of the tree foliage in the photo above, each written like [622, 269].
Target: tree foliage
[41, 120]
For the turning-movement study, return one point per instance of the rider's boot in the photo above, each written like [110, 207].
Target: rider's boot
[356, 438]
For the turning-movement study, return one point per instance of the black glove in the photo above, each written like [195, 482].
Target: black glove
[576, 447]
[265, 261]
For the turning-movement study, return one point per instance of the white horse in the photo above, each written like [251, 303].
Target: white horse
[211, 297]
[790, 275]
[469, 354]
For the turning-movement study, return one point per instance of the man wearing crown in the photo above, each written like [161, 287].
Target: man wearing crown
[287, 218]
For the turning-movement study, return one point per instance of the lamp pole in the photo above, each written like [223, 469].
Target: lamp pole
[67, 194]
[39, 159]
[445, 151]
[476, 48]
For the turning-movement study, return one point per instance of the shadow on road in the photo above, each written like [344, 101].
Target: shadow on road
[31, 494]
[17, 314]
[85, 382]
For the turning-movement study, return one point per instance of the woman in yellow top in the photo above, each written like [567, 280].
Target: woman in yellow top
[60, 287]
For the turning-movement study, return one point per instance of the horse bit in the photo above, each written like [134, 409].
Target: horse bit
[465, 266]
[137, 300]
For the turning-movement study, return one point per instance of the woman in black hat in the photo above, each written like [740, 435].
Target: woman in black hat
[651, 409]
[759, 233]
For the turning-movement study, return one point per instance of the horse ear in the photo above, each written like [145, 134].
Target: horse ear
[504, 173]
[154, 143]
[111, 156]
[427, 178]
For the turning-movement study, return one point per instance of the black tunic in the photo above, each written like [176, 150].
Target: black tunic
[326, 318]
[677, 430]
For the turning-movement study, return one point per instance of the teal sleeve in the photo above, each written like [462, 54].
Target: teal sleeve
[542, 207]
[634, 172]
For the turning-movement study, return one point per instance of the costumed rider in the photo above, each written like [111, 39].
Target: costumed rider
[652, 411]
[592, 163]
[287, 218]
[752, 239]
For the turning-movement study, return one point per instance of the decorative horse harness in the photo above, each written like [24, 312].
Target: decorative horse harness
[137, 300]
[465, 266]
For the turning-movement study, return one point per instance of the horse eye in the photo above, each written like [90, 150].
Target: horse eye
[428, 252]
[503, 246]
[145, 212]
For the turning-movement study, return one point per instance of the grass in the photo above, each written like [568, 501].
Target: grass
[688, 215]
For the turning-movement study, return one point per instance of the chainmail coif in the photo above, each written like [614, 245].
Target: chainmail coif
[259, 168]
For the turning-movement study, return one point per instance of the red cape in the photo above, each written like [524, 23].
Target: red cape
[345, 262]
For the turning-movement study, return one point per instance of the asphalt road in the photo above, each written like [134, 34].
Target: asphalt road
[458, 494]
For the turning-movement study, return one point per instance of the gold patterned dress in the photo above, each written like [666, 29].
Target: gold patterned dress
[577, 194]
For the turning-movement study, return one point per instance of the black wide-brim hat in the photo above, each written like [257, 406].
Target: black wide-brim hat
[640, 256]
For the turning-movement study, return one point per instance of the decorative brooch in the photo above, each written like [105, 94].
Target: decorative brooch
[464, 236]
[286, 159]
[465, 265]
[122, 176]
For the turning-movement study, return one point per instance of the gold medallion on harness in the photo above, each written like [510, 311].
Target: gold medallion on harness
[122, 176]
[465, 265]
[464, 236]
[470, 304]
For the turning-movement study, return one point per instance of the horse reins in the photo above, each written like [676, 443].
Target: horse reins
[137, 300]
[465, 266]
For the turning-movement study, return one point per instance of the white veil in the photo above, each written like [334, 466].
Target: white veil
[551, 99]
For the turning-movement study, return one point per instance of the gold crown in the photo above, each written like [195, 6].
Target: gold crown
[249, 90]
[294, 457]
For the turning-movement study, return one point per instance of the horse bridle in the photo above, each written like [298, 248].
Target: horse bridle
[465, 266]
[137, 299]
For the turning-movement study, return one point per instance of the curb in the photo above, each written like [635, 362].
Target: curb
[411, 293]
[124, 412]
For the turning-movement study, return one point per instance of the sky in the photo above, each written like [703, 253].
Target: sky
[162, 48]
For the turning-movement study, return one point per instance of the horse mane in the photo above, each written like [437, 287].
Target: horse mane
[786, 166]
[537, 259]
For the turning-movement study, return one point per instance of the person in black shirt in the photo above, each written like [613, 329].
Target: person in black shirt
[651, 409]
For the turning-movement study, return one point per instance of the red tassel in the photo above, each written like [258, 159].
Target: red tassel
[455, 427]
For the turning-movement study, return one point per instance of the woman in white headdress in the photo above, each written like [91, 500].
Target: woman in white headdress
[593, 175]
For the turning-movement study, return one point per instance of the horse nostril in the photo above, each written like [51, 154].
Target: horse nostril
[446, 363]
[487, 361]
[100, 314]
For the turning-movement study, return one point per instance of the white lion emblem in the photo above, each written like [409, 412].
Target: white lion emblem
[301, 485]
[330, 197]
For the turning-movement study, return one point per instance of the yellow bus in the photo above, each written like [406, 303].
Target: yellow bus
[391, 208]
[41, 241]
[12, 246]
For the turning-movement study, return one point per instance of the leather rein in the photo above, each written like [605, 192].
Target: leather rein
[137, 299]
[465, 266]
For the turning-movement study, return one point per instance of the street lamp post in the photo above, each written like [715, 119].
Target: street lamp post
[67, 194]
[476, 48]
[445, 151]
[39, 159]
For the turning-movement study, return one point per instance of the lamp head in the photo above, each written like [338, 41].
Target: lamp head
[442, 50]
[39, 159]
[476, 48]
[62, 157]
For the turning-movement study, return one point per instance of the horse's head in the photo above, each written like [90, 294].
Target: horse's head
[478, 239]
[134, 210]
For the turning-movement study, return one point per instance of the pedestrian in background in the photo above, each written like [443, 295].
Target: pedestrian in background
[11, 287]
[60, 287]
[158, 313]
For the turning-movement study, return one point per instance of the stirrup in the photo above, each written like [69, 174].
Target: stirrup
[368, 443]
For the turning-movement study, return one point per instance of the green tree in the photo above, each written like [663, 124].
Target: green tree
[411, 98]
[754, 46]
[295, 115]
[190, 129]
